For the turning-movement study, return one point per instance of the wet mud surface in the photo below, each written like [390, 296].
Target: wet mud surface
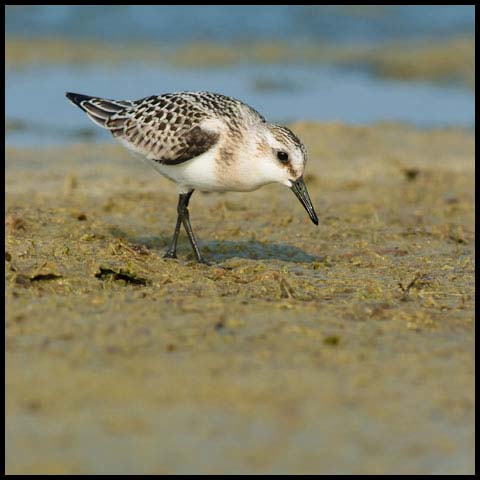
[343, 348]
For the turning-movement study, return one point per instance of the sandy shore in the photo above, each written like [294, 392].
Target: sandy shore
[347, 348]
[451, 60]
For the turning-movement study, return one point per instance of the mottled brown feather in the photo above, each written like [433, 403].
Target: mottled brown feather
[167, 128]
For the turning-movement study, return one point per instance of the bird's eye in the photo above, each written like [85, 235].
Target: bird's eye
[282, 156]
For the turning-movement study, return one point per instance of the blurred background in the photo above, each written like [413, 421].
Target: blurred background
[353, 64]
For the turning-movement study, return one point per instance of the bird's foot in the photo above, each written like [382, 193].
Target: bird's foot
[204, 262]
[170, 254]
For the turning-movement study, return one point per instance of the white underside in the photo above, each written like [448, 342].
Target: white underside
[201, 173]
[198, 173]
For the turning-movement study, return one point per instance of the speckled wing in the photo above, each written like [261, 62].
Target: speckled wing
[167, 128]
[164, 128]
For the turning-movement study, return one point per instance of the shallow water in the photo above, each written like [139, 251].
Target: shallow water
[40, 114]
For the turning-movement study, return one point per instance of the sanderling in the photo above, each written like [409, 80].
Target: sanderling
[204, 141]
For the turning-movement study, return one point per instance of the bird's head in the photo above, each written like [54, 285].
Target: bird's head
[283, 161]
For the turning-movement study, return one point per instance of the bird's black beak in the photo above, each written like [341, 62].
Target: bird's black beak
[300, 190]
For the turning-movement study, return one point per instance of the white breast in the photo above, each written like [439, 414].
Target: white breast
[198, 173]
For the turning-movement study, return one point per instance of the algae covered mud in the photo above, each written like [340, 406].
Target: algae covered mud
[346, 348]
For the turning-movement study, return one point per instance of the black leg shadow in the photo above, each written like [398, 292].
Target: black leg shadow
[219, 251]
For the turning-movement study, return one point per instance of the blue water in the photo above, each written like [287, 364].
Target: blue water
[223, 23]
[36, 96]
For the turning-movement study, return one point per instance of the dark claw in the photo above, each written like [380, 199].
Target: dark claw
[204, 262]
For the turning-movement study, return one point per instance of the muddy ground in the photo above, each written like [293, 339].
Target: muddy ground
[343, 348]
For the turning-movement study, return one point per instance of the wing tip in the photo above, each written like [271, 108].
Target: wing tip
[78, 98]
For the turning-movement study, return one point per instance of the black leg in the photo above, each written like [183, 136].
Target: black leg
[184, 217]
[182, 203]
[191, 236]
[172, 249]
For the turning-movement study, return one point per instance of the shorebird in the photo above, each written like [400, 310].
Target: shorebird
[203, 141]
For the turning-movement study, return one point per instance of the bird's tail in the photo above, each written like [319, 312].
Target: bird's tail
[99, 109]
